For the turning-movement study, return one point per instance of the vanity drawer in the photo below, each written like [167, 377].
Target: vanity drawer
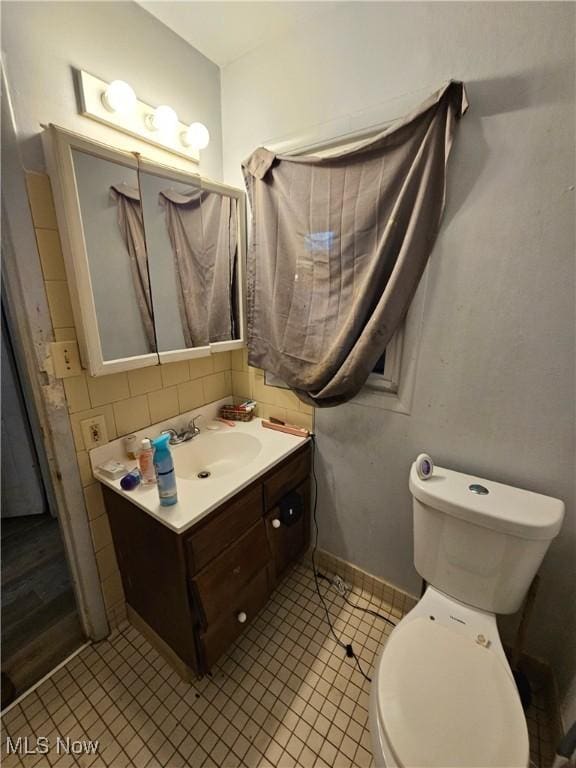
[218, 638]
[218, 585]
[287, 477]
[224, 529]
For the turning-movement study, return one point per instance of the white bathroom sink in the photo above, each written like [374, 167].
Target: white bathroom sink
[234, 457]
[214, 453]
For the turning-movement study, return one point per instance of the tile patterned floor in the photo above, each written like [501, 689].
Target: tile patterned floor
[284, 695]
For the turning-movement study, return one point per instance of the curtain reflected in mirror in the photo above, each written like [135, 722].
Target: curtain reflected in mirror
[114, 237]
[192, 243]
[131, 225]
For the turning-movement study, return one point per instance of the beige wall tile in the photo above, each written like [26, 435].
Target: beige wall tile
[305, 408]
[108, 389]
[65, 334]
[94, 501]
[239, 360]
[299, 419]
[59, 303]
[261, 392]
[175, 373]
[190, 395]
[132, 414]
[107, 565]
[86, 476]
[101, 534]
[41, 202]
[201, 366]
[241, 384]
[77, 395]
[144, 380]
[215, 387]
[113, 591]
[284, 398]
[163, 404]
[102, 410]
[265, 411]
[222, 362]
[50, 254]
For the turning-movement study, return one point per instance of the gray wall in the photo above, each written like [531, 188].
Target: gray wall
[42, 41]
[495, 380]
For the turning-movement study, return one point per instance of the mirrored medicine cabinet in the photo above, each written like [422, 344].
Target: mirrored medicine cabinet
[154, 256]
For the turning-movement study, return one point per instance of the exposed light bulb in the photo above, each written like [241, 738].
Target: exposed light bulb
[119, 97]
[196, 136]
[164, 119]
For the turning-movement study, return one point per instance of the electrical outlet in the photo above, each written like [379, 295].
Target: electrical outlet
[65, 358]
[94, 432]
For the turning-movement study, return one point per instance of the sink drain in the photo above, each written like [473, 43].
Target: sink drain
[204, 474]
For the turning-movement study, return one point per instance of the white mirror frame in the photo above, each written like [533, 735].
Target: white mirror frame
[166, 172]
[58, 147]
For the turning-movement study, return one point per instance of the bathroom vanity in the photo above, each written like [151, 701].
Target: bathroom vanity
[193, 587]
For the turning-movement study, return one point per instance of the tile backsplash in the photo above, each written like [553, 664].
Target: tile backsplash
[127, 401]
[280, 403]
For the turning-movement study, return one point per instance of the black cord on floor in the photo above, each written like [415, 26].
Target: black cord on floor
[346, 646]
[354, 605]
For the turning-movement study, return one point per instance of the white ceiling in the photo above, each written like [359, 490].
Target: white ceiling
[224, 31]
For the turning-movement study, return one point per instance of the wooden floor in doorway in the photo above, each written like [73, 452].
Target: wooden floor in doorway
[40, 624]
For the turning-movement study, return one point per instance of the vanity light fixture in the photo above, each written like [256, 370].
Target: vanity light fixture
[164, 119]
[196, 136]
[115, 104]
[119, 97]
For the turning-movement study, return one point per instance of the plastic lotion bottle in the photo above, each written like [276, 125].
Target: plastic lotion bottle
[146, 463]
[165, 471]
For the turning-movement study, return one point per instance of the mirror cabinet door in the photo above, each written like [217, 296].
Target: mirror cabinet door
[113, 230]
[192, 241]
[154, 256]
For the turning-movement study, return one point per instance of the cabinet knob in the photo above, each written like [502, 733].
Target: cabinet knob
[241, 617]
[276, 523]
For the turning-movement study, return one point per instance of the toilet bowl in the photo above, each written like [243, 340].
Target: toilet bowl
[443, 694]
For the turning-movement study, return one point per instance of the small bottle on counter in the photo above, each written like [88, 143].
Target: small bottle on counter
[146, 462]
[130, 480]
[131, 446]
[165, 474]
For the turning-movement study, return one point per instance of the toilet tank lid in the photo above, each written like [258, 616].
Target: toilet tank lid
[504, 508]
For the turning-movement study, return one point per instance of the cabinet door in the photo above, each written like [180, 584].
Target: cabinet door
[195, 240]
[102, 234]
[289, 542]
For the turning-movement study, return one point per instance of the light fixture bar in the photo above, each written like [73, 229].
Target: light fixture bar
[134, 122]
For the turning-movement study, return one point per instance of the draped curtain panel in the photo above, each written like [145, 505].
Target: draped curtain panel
[339, 245]
[202, 227]
[131, 227]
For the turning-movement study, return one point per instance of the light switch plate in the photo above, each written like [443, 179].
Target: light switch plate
[94, 432]
[65, 358]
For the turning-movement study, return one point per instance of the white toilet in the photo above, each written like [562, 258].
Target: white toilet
[443, 693]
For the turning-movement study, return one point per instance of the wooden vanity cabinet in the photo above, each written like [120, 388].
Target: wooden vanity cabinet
[193, 593]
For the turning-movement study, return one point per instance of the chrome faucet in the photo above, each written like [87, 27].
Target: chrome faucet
[184, 435]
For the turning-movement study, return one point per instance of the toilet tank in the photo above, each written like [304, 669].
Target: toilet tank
[480, 541]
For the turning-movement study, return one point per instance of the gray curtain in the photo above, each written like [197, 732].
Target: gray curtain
[131, 228]
[339, 245]
[202, 227]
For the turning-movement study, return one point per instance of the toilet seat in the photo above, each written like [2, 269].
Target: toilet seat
[443, 699]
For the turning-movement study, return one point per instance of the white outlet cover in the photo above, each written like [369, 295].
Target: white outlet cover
[94, 432]
[65, 359]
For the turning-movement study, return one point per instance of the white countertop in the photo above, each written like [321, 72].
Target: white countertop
[196, 497]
